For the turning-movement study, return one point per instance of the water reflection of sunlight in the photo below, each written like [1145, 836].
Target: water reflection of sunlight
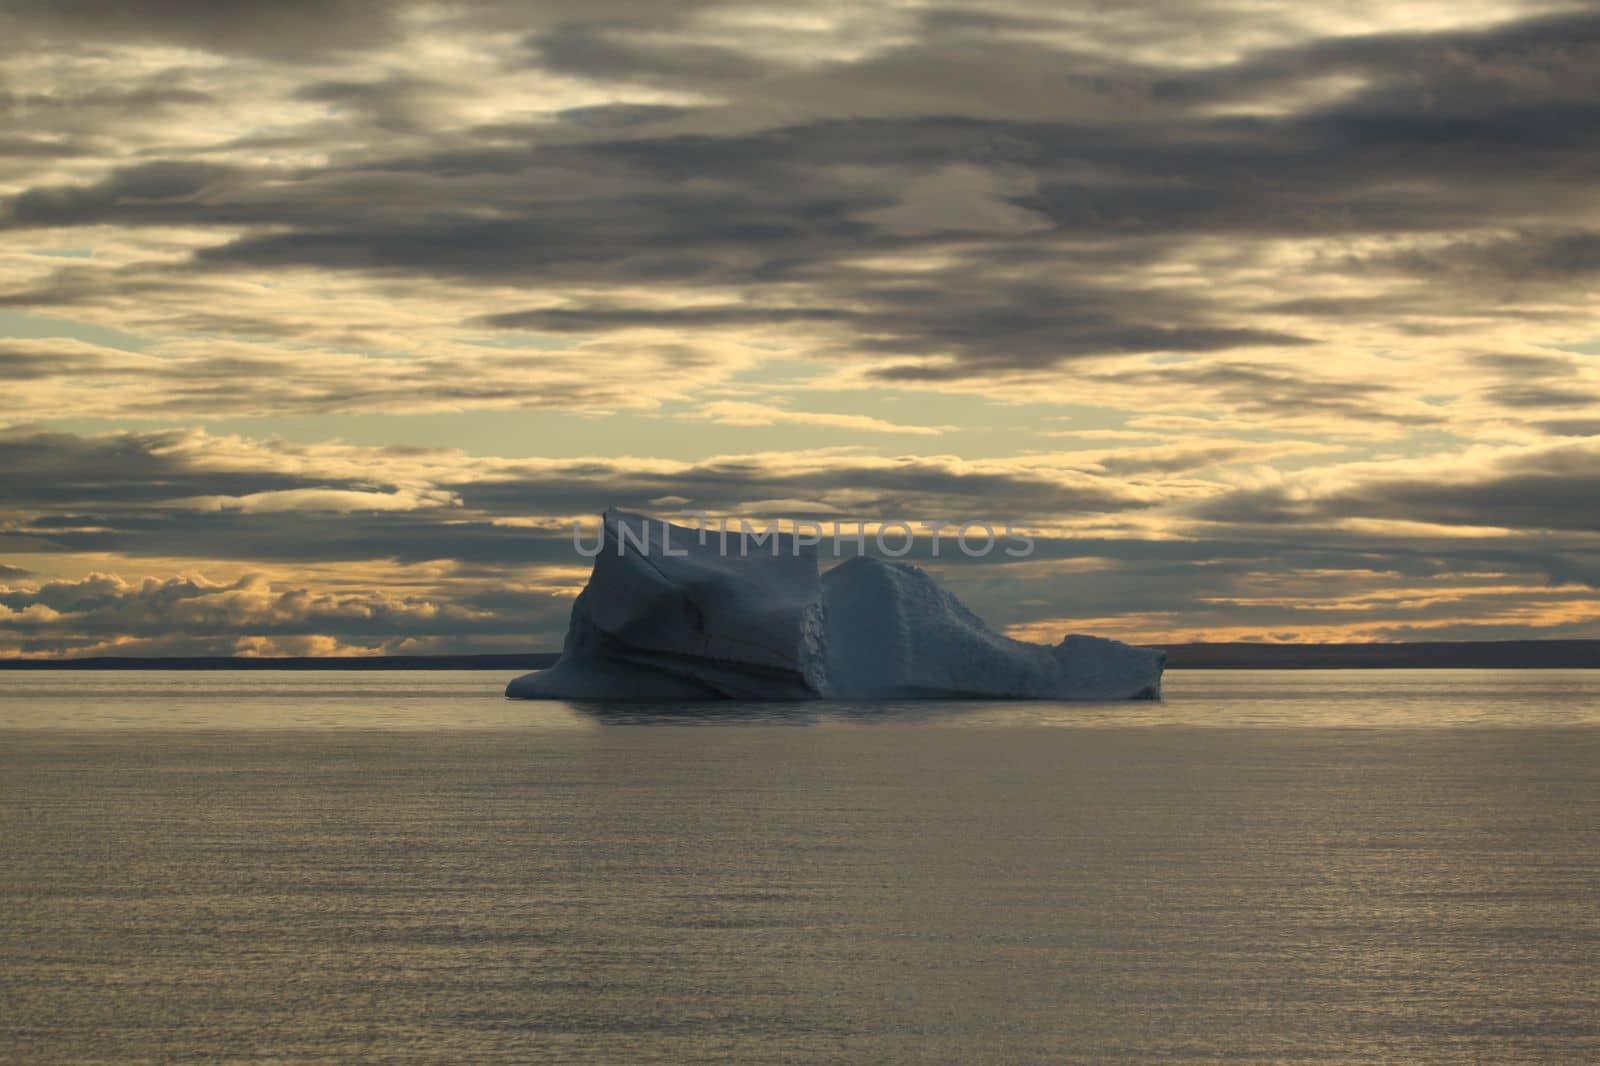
[472, 700]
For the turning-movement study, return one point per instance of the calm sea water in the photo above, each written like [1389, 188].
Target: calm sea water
[1358, 866]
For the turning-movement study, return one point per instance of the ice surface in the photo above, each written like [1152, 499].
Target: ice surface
[655, 624]
[890, 632]
[673, 614]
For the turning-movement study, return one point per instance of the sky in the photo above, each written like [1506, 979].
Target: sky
[322, 323]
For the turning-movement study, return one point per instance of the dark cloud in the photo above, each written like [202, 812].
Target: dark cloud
[621, 53]
[1018, 342]
[1546, 56]
[161, 494]
[594, 320]
[1175, 460]
[1570, 427]
[1544, 259]
[45, 470]
[1531, 382]
[1282, 392]
[619, 116]
[283, 30]
[402, 104]
[1520, 364]
[1556, 488]
[683, 238]
[153, 95]
[158, 193]
[18, 364]
[1542, 395]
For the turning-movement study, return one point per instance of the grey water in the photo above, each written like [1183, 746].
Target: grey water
[1266, 866]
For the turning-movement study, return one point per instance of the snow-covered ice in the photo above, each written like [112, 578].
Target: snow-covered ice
[669, 614]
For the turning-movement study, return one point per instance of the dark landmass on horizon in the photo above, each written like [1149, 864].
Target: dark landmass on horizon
[1494, 654]
[503, 661]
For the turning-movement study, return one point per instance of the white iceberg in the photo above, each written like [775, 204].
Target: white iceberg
[672, 613]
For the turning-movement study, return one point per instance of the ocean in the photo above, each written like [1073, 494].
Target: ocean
[1265, 866]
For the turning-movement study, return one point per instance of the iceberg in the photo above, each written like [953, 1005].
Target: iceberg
[672, 613]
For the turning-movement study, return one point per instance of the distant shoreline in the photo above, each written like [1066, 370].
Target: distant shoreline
[1422, 655]
[1494, 654]
[527, 661]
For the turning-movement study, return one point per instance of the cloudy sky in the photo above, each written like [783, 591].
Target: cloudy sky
[321, 321]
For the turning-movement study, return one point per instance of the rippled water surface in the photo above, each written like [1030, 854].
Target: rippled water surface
[1340, 866]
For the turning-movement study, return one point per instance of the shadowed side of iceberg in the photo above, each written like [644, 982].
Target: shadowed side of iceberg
[670, 614]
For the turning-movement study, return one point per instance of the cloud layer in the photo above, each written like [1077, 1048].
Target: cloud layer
[1272, 319]
[412, 549]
